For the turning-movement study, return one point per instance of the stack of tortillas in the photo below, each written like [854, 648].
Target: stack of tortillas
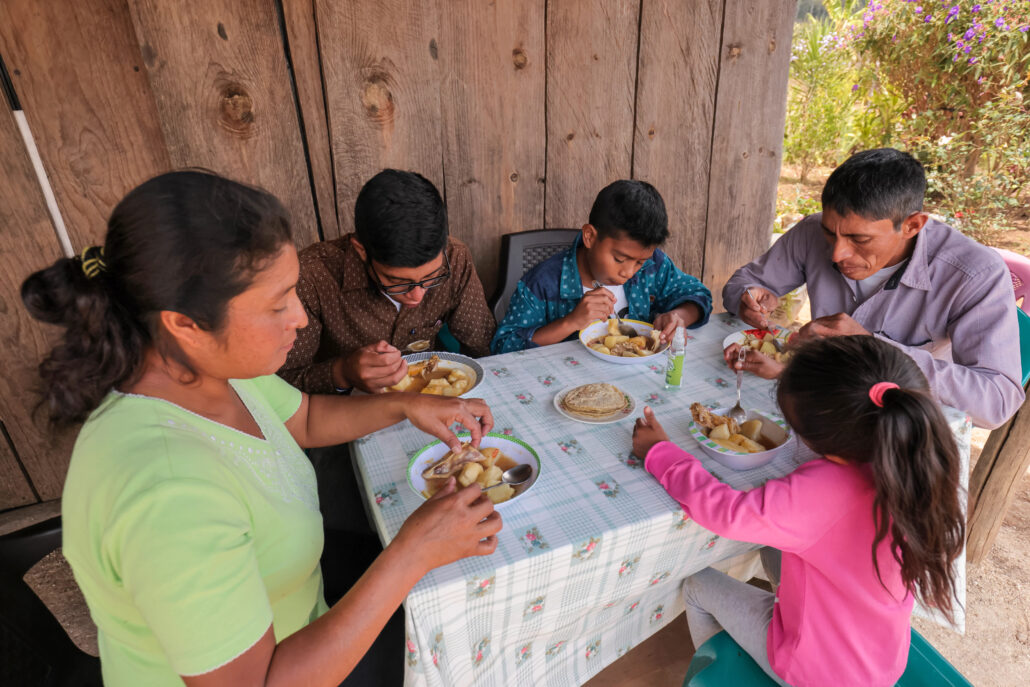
[594, 400]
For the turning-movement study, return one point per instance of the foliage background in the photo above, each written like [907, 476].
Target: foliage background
[947, 81]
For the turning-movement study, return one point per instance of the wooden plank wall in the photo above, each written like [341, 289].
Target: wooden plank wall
[27, 241]
[519, 112]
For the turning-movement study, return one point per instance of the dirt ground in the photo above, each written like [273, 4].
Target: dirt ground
[995, 650]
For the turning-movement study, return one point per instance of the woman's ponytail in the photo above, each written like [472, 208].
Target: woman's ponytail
[916, 474]
[186, 242]
[100, 348]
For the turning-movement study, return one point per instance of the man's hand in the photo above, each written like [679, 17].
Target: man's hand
[646, 433]
[840, 324]
[682, 316]
[595, 305]
[370, 368]
[754, 362]
[756, 306]
[435, 415]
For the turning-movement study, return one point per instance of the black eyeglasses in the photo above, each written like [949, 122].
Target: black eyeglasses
[399, 289]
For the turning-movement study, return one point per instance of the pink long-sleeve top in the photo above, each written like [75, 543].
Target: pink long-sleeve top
[834, 623]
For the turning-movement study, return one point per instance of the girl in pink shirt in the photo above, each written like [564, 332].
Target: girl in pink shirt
[873, 524]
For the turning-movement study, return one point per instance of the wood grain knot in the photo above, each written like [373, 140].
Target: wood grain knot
[736, 50]
[514, 177]
[519, 58]
[650, 132]
[221, 32]
[237, 109]
[772, 45]
[745, 155]
[434, 52]
[569, 136]
[377, 100]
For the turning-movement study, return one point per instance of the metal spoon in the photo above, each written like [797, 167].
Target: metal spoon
[417, 346]
[737, 412]
[514, 475]
[624, 329]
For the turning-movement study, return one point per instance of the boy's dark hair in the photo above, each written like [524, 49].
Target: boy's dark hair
[633, 208]
[825, 395]
[185, 241]
[400, 219]
[877, 184]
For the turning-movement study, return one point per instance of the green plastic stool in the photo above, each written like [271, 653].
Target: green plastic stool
[720, 662]
[1024, 342]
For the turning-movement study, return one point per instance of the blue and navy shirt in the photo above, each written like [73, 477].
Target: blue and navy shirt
[553, 288]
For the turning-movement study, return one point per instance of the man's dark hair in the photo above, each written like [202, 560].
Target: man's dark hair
[400, 219]
[877, 184]
[633, 208]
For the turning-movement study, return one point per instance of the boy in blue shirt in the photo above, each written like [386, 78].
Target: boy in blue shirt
[618, 249]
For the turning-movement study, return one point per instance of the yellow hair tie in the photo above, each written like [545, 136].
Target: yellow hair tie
[92, 258]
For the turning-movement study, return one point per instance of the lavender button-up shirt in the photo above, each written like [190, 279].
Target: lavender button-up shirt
[950, 307]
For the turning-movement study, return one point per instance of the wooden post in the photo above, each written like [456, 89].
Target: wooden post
[677, 72]
[591, 74]
[747, 145]
[492, 116]
[999, 472]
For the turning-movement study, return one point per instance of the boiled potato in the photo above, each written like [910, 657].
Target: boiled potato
[767, 348]
[721, 432]
[600, 348]
[746, 444]
[501, 494]
[491, 476]
[491, 456]
[610, 341]
[751, 429]
[726, 444]
[469, 474]
[638, 341]
[403, 384]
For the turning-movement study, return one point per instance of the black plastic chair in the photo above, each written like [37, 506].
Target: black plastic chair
[520, 252]
[37, 649]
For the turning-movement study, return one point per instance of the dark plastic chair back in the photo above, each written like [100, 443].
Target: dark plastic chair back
[520, 252]
[38, 649]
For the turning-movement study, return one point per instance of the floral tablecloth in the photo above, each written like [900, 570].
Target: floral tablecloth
[590, 560]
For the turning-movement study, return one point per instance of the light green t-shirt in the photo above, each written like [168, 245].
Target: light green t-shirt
[187, 537]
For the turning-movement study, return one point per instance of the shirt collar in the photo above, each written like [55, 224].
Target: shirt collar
[916, 273]
[355, 276]
[571, 286]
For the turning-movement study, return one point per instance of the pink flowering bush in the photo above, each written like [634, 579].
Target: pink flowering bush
[949, 81]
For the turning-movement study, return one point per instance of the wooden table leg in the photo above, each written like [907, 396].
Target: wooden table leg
[995, 482]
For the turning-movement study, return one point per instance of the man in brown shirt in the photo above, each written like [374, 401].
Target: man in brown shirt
[394, 282]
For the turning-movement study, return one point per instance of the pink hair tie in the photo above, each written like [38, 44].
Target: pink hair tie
[876, 392]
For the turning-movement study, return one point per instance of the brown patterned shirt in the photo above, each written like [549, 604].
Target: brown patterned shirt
[346, 310]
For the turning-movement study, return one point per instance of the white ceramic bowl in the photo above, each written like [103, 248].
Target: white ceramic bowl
[600, 328]
[452, 361]
[774, 427]
[516, 449]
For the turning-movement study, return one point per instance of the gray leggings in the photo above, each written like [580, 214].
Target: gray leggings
[715, 601]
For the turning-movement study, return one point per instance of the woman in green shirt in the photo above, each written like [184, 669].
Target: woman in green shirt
[190, 512]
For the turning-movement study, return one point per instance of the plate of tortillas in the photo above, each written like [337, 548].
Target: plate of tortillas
[595, 404]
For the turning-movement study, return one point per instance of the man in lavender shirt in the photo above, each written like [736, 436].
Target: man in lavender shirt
[875, 263]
